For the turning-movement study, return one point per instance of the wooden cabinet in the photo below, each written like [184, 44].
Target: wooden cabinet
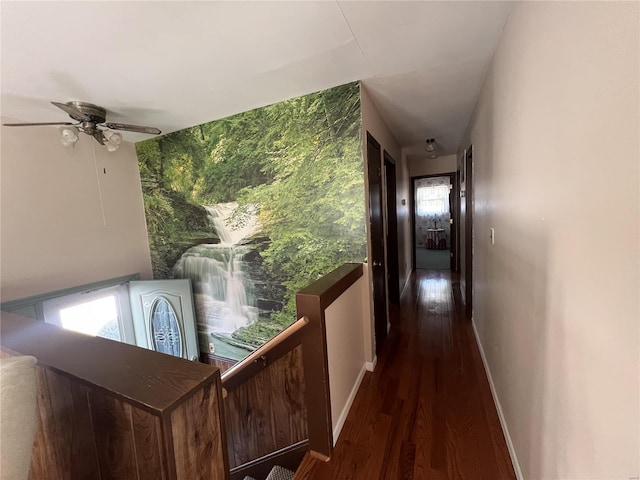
[109, 410]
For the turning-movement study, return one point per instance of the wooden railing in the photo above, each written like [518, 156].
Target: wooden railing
[264, 406]
[277, 403]
[312, 301]
[260, 358]
[111, 410]
[127, 412]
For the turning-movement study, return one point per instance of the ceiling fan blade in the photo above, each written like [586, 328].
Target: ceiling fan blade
[35, 124]
[73, 111]
[132, 128]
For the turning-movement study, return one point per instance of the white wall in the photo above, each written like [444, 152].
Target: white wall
[556, 147]
[419, 167]
[373, 123]
[53, 234]
[346, 330]
[403, 192]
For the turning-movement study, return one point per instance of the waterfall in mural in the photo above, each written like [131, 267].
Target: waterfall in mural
[222, 292]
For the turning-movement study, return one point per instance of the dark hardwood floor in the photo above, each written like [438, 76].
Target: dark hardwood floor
[427, 411]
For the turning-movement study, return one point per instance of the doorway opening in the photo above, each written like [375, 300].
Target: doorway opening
[432, 220]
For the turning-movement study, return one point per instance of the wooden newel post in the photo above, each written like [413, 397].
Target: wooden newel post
[316, 375]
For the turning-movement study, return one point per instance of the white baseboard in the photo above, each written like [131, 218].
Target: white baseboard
[371, 366]
[503, 423]
[345, 411]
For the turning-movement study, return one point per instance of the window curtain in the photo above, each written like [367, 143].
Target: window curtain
[432, 208]
[433, 200]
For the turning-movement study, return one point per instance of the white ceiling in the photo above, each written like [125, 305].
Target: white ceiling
[177, 64]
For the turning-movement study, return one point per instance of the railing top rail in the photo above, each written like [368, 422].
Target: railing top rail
[334, 284]
[150, 380]
[232, 376]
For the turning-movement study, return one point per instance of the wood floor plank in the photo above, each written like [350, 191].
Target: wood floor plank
[426, 413]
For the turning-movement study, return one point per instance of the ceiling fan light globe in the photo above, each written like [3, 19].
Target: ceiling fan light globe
[69, 134]
[111, 147]
[115, 138]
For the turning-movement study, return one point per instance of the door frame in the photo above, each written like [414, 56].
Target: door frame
[458, 186]
[453, 205]
[468, 228]
[391, 223]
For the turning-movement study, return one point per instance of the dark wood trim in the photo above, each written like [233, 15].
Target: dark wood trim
[312, 302]
[224, 433]
[332, 285]
[377, 257]
[371, 138]
[316, 375]
[289, 457]
[169, 447]
[468, 229]
[391, 216]
[452, 199]
[457, 221]
[412, 221]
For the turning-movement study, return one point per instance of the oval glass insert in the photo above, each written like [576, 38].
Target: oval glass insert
[165, 329]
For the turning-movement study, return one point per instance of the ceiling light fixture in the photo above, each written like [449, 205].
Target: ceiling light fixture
[110, 139]
[113, 140]
[69, 136]
[431, 144]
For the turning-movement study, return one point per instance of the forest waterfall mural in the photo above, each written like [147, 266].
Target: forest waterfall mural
[254, 207]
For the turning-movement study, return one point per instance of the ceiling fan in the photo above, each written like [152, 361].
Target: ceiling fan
[91, 119]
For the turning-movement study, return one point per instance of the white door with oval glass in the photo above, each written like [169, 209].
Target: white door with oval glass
[163, 316]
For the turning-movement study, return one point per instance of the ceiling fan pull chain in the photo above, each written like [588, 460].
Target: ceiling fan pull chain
[95, 162]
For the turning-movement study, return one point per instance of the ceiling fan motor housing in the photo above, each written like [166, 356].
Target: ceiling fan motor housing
[94, 112]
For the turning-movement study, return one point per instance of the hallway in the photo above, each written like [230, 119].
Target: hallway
[427, 411]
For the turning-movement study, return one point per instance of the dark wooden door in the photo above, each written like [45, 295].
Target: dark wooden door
[393, 269]
[468, 228]
[457, 220]
[453, 213]
[378, 270]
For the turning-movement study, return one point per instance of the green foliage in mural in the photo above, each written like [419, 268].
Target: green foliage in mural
[298, 161]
